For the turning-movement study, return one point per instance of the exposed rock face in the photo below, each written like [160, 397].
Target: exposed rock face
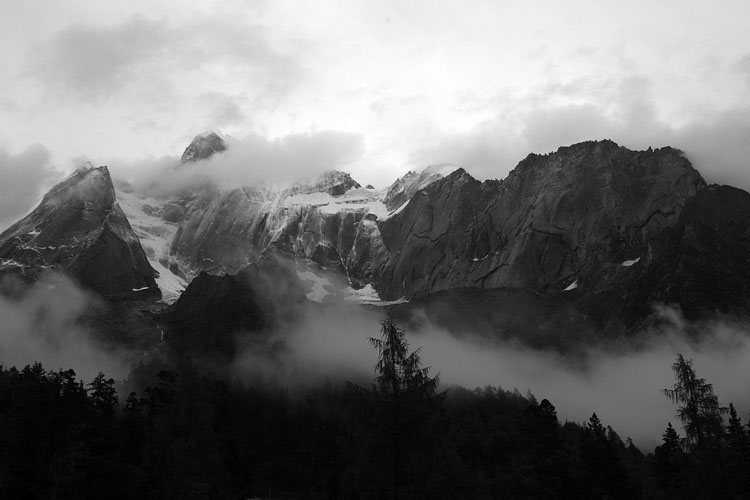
[333, 182]
[572, 216]
[555, 219]
[405, 187]
[220, 315]
[211, 312]
[203, 146]
[704, 265]
[588, 238]
[223, 231]
[79, 229]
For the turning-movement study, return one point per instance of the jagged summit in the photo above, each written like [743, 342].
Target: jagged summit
[80, 230]
[587, 220]
[603, 147]
[555, 220]
[404, 187]
[203, 146]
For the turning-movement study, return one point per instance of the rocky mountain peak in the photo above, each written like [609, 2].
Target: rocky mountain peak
[404, 188]
[80, 230]
[203, 146]
[555, 220]
[602, 177]
[83, 199]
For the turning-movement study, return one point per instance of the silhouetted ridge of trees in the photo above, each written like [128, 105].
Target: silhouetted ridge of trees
[186, 435]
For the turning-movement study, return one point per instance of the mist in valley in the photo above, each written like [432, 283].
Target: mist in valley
[44, 324]
[621, 380]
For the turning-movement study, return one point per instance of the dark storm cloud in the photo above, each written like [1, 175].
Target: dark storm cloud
[24, 176]
[93, 62]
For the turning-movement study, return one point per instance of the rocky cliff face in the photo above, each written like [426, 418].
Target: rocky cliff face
[556, 220]
[565, 219]
[597, 232]
[222, 315]
[224, 231]
[79, 229]
[401, 191]
[704, 265]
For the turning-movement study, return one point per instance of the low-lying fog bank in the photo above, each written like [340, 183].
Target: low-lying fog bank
[622, 383]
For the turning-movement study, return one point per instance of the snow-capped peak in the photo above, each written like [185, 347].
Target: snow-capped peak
[443, 170]
[404, 188]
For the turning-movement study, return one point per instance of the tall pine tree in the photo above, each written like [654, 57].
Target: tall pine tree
[698, 408]
[403, 403]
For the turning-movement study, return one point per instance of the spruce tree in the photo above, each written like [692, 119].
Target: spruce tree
[737, 453]
[699, 408]
[737, 436]
[403, 403]
[606, 476]
[669, 462]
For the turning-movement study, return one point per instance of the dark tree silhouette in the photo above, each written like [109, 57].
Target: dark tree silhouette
[698, 408]
[669, 463]
[606, 476]
[737, 453]
[404, 401]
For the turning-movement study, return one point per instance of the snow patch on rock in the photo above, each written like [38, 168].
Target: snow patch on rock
[155, 235]
[629, 263]
[572, 286]
[321, 287]
[367, 295]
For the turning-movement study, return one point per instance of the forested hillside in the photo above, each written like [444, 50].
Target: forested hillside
[174, 431]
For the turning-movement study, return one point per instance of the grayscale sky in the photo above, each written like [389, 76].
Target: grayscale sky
[388, 85]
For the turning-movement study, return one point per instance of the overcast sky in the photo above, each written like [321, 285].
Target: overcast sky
[389, 85]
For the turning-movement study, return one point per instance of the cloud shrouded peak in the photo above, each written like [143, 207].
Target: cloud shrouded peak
[24, 177]
[253, 160]
[203, 146]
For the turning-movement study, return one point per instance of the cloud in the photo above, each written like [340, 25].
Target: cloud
[153, 57]
[43, 325]
[304, 156]
[24, 176]
[251, 161]
[222, 110]
[742, 66]
[93, 61]
[620, 381]
[716, 144]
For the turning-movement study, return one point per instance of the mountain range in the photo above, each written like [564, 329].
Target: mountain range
[586, 241]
